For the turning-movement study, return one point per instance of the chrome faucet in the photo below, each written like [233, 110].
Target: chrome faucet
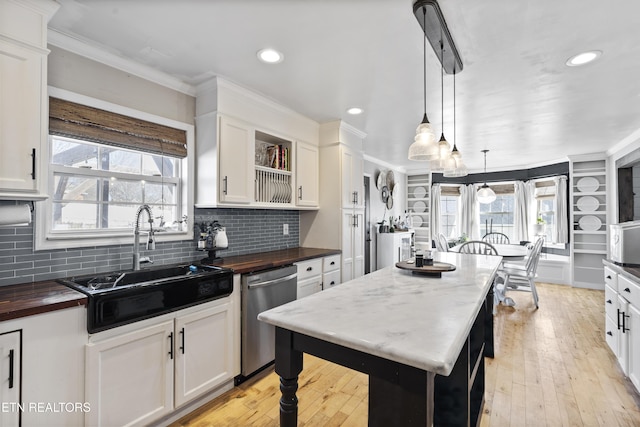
[151, 244]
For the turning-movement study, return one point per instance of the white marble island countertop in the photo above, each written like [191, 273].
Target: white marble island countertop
[416, 320]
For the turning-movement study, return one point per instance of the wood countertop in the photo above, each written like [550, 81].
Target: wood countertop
[28, 299]
[243, 264]
[35, 298]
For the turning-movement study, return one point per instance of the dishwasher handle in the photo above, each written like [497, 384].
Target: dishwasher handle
[259, 284]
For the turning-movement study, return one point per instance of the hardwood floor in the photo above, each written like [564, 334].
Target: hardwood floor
[552, 367]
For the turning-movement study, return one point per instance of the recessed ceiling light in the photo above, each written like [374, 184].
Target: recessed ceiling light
[270, 56]
[583, 58]
[354, 110]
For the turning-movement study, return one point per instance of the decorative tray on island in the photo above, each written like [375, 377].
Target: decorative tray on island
[434, 270]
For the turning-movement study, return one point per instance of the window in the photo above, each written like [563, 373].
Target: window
[449, 216]
[99, 187]
[546, 209]
[103, 162]
[498, 216]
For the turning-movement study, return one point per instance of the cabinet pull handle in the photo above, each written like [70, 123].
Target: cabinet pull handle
[309, 268]
[182, 339]
[627, 290]
[224, 187]
[618, 319]
[171, 345]
[609, 301]
[333, 282]
[624, 323]
[11, 368]
[610, 333]
[332, 263]
[609, 277]
[33, 163]
[300, 193]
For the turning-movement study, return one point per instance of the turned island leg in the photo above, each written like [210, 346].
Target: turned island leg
[288, 367]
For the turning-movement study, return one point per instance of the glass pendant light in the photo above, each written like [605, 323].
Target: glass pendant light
[485, 193]
[454, 166]
[444, 148]
[424, 145]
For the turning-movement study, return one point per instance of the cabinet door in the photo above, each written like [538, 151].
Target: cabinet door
[348, 222]
[10, 378]
[129, 378]
[348, 189]
[204, 352]
[21, 86]
[358, 244]
[633, 324]
[309, 286]
[623, 335]
[307, 175]
[235, 161]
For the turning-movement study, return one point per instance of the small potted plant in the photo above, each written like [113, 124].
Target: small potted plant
[538, 227]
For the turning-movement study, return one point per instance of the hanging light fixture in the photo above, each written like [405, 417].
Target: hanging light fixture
[424, 146]
[485, 193]
[444, 148]
[454, 166]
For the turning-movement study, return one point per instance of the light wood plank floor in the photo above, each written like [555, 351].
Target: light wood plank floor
[552, 367]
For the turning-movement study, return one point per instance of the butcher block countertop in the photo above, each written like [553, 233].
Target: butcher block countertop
[35, 298]
[28, 299]
[243, 264]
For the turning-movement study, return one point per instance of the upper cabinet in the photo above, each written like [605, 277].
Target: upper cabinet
[242, 162]
[352, 178]
[24, 102]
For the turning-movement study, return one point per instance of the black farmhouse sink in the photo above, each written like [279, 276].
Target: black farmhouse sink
[122, 297]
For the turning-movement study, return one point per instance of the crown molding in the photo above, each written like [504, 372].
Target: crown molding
[387, 165]
[99, 54]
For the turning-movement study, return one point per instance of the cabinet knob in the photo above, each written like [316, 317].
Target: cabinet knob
[627, 290]
[609, 301]
[333, 282]
[332, 263]
[309, 268]
[609, 333]
[609, 277]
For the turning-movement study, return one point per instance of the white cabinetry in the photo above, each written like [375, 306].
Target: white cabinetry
[419, 207]
[160, 365]
[307, 175]
[392, 248]
[309, 277]
[50, 366]
[24, 102]
[236, 152]
[622, 321]
[330, 271]
[339, 224]
[10, 348]
[588, 195]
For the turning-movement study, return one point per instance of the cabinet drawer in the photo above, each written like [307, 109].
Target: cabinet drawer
[611, 334]
[331, 263]
[611, 278]
[610, 303]
[330, 279]
[309, 268]
[629, 290]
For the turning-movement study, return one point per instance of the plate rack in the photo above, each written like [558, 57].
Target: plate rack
[273, 185]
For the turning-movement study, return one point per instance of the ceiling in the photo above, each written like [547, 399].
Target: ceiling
[515, 96]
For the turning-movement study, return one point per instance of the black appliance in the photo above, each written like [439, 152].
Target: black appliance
[119, 298]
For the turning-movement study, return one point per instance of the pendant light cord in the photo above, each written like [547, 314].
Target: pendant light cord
[424, 63]
[441, 83]
[454, 107]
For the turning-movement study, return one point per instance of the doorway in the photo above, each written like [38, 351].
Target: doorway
[367, 232]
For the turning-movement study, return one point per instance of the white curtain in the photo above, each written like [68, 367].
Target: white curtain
[521, 211]
[532, 213]
[561, 229]
[436, 192]
[469, 212]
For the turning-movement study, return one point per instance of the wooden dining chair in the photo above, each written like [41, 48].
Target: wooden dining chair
[478, 247]
[496, 238]
[442, 244]
[522, 278]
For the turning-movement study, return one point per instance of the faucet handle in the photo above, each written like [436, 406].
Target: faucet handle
[151, 244]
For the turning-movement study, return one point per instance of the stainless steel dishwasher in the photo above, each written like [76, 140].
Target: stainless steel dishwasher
[260, 292]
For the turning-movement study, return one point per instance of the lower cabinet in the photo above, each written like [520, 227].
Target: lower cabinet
[10, 379]
[140, 376]
[622, 321]
[309, 277]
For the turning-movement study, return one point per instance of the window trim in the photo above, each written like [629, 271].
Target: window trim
[46, 239]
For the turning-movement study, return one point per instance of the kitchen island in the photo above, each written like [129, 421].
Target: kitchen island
[420, 339]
